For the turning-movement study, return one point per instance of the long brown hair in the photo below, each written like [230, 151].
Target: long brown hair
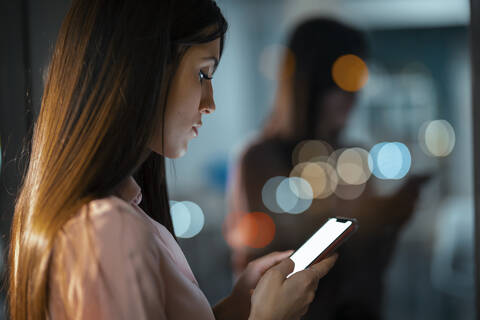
[108, 78]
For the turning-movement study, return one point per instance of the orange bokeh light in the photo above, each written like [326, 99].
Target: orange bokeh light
[255, 230]
[350, 72]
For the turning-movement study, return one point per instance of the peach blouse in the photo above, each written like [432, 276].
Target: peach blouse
[143, 273]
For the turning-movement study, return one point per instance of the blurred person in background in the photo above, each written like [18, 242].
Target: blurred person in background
[92, 235]
[309, 106]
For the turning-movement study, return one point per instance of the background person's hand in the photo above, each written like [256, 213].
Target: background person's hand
[279, 298]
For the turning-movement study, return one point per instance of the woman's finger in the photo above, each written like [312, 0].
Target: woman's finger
[321, 268]
[266, 262]
[285, 267]
[318, 259]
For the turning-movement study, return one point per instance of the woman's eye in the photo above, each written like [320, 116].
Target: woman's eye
[203, 76]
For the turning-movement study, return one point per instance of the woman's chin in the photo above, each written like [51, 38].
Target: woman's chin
[177, 153]
[171, 152]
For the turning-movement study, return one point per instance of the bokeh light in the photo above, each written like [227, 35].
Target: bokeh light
[271, 59]
[322, 177]
[315, 175]
[350, 72]
[286, 198]
[294, 195]
[373, 163]
[197, 219]
[301, 188]
[407, 160]
[390, 160]
[255, 230]
[181, 218]
[269, 194]
[333, 158]
[352, 166]
[304, 193]
[437, 138]
[187, 218]
[310, 150]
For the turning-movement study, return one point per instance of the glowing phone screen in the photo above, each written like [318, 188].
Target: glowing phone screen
[320, 241]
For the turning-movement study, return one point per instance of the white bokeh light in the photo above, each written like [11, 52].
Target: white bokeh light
[320, 175]
[323, 178]
[353, 166]
[187, 218]
[437, 138]
[181, 218]
[197, 220]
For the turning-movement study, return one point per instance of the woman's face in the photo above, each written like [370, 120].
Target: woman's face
[336, 106]
[190, 97]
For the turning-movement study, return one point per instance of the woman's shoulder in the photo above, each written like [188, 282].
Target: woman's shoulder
[106, 256]
[108, 222]
[108, 212]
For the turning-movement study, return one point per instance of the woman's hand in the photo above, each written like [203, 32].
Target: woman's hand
[279, 298]
[254, 271]
[237, 305]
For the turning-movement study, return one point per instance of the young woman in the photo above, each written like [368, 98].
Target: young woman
[92, 237]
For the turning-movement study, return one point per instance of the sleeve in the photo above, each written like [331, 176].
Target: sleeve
[105, 266]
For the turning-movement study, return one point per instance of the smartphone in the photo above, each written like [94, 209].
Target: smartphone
[323, 242]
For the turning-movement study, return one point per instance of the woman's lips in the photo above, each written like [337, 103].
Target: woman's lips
[196, 127]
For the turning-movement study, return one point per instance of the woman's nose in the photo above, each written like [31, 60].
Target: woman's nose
[207, 103]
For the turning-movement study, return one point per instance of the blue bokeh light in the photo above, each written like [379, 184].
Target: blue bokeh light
[407, 160]
[269, 194]
[390, 160]
[286, 198]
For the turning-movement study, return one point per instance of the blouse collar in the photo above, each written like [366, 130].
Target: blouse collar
[129, 191]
